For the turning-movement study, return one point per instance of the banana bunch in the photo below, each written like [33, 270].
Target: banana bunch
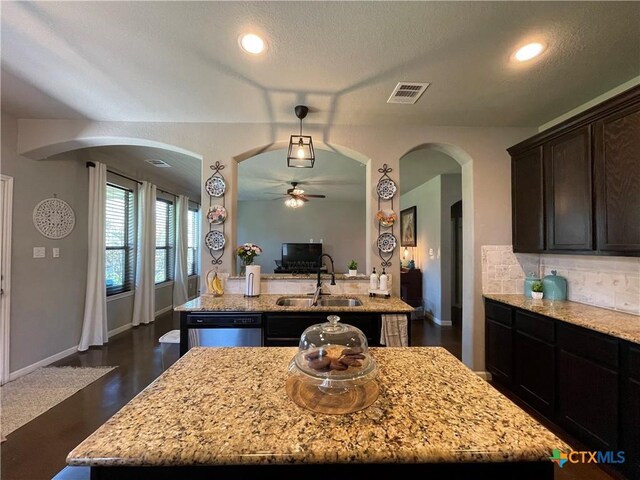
[215, 284]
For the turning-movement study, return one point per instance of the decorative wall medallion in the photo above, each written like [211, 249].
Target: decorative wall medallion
[214, 240]
[54, 218]
[215, 186]
[386, 188]
[387, 242]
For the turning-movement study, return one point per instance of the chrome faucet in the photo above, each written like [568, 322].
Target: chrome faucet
[318, 291]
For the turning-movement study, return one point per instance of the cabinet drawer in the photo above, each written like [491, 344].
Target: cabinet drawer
[590, 345]
[498, 312]
[634, 362]
[538, 327]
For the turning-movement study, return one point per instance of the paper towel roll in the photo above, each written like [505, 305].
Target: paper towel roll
[252, 283]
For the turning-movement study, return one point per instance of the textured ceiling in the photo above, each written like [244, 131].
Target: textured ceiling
[180, 61]
[421, 166]
[334, 175]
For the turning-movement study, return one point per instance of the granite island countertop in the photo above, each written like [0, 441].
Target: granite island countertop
[609, 322]
[267, 303]
[228, 406]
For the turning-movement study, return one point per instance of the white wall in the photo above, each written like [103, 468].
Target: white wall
[450, 193]
[426, 199]
[482, 152]
[340, 225]
[433, 200]
[47, 295]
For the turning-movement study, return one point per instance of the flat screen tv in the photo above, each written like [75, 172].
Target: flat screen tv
[301, 254]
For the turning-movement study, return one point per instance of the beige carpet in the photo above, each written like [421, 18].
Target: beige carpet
[32, 395]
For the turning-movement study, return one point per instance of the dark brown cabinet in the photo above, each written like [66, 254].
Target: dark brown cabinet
[534, 361]
[499, 343]
[588, 386]
[527, 201]
[576, 187]
[567, 166]
[617, 157]
[284, 329]
[630, 409]
[584, 381]
[411, 287]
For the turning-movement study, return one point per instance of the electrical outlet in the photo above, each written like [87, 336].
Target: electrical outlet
[56, 252]
[39, 252]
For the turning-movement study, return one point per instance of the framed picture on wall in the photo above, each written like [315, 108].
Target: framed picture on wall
[408, 227]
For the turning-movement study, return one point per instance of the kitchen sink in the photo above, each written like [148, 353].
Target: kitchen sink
[339, 302]
[322, 302]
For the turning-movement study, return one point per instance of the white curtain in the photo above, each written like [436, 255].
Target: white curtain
[94, 323]
[181, 275]
[144, 300]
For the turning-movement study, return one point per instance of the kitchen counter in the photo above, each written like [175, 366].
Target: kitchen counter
[267, 303]
[228, 406]
[609, 322]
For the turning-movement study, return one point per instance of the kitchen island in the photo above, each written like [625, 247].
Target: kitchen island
[261, 321]
[224, 413]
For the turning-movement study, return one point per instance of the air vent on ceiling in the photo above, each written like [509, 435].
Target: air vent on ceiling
[407, 92]
[158, 163]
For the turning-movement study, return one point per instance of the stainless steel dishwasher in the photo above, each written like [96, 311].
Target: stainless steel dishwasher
[228, 329]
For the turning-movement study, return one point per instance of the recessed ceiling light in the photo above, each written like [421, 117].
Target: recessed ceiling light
[252, 43]
[529, 51]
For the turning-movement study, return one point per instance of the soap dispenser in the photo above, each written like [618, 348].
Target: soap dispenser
[373, 280]
[384, 280]
[555, 286]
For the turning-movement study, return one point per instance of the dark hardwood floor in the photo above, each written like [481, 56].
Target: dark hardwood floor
[37, 451]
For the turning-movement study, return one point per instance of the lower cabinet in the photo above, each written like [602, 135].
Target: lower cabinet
[284, 329]
[588, 386]
[630, 409]
[535, 361]
[584, 381]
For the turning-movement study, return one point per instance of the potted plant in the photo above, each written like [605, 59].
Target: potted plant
[353, 268]
[536, 290]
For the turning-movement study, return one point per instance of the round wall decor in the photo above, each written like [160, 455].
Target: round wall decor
[54, 218]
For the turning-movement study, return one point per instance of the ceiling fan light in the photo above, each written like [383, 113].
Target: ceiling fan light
[293, 202]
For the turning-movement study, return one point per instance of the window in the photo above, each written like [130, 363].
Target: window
[164, 240]
[192, 241]
[119, 240]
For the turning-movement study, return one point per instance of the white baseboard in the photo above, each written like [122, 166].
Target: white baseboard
[121, 329]
[484, 375]
[442, 323]
[164, 310]
[42, 363]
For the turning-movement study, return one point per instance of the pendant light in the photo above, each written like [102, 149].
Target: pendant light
[301, 153]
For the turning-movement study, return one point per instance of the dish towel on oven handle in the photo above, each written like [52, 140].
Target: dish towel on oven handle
[394, 330]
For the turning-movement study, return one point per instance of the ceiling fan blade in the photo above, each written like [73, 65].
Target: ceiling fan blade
[303, 198]
[315, 196]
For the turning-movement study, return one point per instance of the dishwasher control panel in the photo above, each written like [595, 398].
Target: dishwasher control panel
[225, 320]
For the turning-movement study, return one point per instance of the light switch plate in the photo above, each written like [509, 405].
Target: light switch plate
[39, 252]
[56, 252]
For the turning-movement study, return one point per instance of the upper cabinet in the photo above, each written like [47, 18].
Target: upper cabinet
[617, 170]
[568, 193]
[576, 187]
[527, 201]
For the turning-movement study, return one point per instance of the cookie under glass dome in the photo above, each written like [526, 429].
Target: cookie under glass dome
[333, 356]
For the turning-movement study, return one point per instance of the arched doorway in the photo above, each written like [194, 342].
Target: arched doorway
[450, 160]
[340, 174]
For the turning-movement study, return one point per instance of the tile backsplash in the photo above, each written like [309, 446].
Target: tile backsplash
[608, 282]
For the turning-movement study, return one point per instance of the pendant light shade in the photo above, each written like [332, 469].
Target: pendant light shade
[301, 153]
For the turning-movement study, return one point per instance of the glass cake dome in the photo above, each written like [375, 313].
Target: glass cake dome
[333, 356]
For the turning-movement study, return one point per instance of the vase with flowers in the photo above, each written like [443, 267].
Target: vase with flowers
[247, 253]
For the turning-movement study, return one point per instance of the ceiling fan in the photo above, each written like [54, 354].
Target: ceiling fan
[296, 196]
